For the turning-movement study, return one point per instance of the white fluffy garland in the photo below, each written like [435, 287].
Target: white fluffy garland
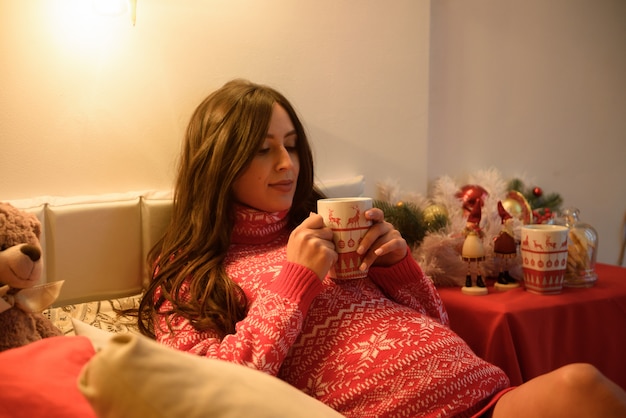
[439, 254]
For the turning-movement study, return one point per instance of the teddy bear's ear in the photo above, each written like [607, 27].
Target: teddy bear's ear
[35, 225]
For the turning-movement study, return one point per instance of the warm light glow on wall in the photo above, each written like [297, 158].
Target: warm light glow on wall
[110, 7]
[116, 8]
[75, 22]
[88, 23]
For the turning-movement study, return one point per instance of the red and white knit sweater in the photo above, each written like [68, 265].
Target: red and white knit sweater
[373, 347]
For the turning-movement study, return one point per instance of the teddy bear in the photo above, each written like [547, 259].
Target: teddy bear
[22, 298]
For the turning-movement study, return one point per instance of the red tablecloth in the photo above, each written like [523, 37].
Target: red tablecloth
[527, 334]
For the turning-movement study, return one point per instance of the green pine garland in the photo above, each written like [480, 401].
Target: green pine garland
[409, 220]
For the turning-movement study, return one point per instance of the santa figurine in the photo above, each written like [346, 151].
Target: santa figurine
[473, 253]
[505, 250]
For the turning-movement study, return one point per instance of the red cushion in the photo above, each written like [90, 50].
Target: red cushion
[40, 379]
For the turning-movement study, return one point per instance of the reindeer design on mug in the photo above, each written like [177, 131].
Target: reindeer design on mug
[550, 244]
[333, 220]
[354, 221]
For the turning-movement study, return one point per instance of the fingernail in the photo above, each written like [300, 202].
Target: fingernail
[363, 267]
[378, 251]
[360, 250]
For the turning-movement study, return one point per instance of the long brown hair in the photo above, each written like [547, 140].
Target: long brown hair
[224, 133]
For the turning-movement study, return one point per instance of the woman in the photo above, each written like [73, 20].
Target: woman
[241, 275]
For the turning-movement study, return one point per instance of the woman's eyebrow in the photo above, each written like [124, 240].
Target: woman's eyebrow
[288, 134]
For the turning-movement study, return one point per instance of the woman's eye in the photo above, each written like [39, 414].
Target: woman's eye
[263, 151]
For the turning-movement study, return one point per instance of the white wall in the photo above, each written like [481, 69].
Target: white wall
[91, 104]
[537, 89]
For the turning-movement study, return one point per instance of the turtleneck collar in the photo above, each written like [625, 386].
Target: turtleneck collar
[253, 226]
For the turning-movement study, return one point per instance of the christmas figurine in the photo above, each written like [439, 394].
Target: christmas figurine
[473, 252]
[505, 250]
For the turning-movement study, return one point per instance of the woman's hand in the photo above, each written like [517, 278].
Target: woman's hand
[382, 245]
[311, 245]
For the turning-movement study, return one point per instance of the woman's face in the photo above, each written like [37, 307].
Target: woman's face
[269, 182]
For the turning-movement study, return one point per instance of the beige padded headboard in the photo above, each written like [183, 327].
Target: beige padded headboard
[98, 244]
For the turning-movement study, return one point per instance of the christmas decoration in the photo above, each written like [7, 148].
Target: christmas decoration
[439, 255]
[516, 205]
[470, 195]
[542, 206]
[434, 226]
[436, 217]
[409, 219]
[473, 252]
[505, 250]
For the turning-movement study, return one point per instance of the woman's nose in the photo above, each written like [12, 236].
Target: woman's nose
[285, 160]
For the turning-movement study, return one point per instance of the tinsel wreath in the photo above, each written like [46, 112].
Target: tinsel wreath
[439, 252]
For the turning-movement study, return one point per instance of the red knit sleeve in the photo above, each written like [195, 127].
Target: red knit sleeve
[262, 339]
[406, 283]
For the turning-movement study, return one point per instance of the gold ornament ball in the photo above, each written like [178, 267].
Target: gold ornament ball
[433, 211]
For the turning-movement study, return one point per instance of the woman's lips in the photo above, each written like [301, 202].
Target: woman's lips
[284, 186]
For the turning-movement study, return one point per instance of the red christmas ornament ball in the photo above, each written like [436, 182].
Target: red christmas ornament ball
[537, 191]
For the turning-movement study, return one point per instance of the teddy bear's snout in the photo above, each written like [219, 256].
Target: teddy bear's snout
[33, 252]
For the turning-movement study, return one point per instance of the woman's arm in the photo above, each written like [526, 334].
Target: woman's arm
[262, 339]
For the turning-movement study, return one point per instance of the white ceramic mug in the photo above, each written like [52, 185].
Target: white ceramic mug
[544, 257]
[346, 217]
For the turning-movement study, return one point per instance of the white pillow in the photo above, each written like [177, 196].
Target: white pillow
[134, 376]
[99, 338]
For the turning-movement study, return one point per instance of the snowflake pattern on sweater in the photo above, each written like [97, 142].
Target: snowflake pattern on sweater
[373, 347]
